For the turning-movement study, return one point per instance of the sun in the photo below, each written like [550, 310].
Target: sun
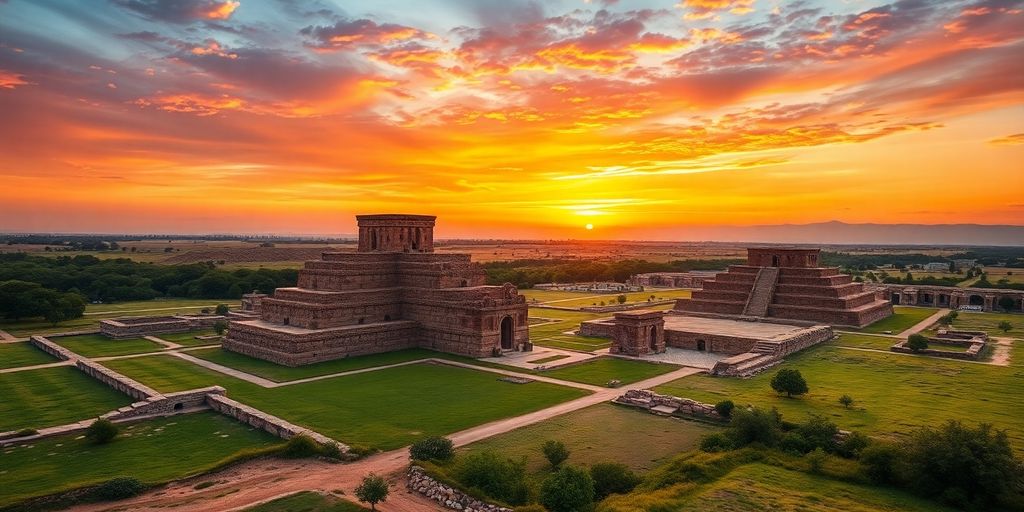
[589, 226]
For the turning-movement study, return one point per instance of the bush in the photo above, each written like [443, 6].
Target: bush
[331, 450]
[219, 327]
[917, 342]
[819, 433]
[118, 489]
[1005, 326]
[879, 462]
[724, 408]
[433, 448]
[498, 477]
[794, 443]
[853, 445]
[101, 432]
[815, 460]
[790, 382]
[754, 426]
[717, 442]
[555, 452]
[571, 489]
[612, 478]
[846, 401]
[300, 446]
[372, 490]
[221, 309]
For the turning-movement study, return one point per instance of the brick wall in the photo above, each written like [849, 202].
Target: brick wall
[261, 420]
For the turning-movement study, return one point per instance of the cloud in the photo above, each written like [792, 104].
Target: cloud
[9, 80]
[705, 9]
[1016, 139]
[181, 11]
[349, 34]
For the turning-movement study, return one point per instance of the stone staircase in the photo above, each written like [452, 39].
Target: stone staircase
[764, 347]
[761, 294]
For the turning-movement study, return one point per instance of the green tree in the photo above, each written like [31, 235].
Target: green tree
[846, 400]
[878, 461]
[372, 490]
[1007, 303]
[724, 408]
[754, 426]
[433, 448]
[790, 382]
[917, 342]
[570, 489]
[219, 327]
[1005, 326]
[498, 477]
[555, 452]
[102, 431]
[621, 299]
[222, 309]
[612, 478]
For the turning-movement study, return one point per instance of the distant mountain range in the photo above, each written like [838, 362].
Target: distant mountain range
[836, 232]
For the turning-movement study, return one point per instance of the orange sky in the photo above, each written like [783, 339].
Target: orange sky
[509, 119]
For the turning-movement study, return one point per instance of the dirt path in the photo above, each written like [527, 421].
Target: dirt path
[255, 482]
[1001, 354]
[923, 324]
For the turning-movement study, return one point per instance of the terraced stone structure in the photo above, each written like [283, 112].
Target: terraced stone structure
[393, 293]
[786, 284]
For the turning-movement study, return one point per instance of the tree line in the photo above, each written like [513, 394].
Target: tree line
[526, 273]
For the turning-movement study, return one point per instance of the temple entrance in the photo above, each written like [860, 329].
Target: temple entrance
[701, 345]
[895, 298]
[507, 334]
[654, 339]
[775, 261]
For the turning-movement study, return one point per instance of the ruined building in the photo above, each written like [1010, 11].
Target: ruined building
[394, 293]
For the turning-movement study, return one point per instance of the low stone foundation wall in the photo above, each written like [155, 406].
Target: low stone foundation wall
[164, 405]
[52, 348]
[667, 404]
[268, 422]
[625, 307]
[447, 496]
[132, 327]
[599, 328]
[128, 386]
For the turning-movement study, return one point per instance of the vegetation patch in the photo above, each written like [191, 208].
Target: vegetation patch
[98, 345]
[47, 397]
[16, 355]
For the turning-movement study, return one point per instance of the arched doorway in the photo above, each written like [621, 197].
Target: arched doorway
[654, 339]
[976, 300]
[895, 298]
[701, 345]
[507, 334]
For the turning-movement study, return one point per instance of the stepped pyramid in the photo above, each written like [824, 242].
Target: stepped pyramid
[786, 284]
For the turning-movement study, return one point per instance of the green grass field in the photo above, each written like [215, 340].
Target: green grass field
[16, 355]
[600, 433]
[595, 299]
[53, 396]
[151, 451]
[96, 312]
[157, 304]
[762, 487]
[848, 339]
[549, 334]
[903, 318]
[307, 501]
[601, 370]
[894, 393]
[384, 409]
[98, 345]
[989, 322]
[278, 373]
[188, 338]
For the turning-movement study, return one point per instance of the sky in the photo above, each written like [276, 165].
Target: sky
[508, 118]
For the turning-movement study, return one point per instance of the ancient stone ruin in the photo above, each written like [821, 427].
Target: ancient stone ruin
[394, 293]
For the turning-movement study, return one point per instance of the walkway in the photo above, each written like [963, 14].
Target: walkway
[923, 324]
[6, 337]
[262, 480]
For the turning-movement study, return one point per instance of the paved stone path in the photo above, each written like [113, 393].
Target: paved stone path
[923, 324]
[6, 337]
[161, 341]
[263, 480]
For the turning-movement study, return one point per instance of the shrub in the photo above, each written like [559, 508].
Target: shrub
[221, 309]
[372, 490]
[790, 382]
[612, 478]
[101, 431]
[794, 443]
[853, 445]
[724, 408]
[498, 477]
[819, 433]
[1005, 326]
[815, 460]
[917, 342]
[846, 401]
[879, 462]
[433, 448]
[220, 326]
[331, 450]
[571, 489]
[621, 299]
[754, 426]
[717, 442]
[555, 452]
[118, 489]
[300, 446]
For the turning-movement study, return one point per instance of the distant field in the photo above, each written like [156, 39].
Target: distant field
[153, 451]
[96, 312]
[903, 318]
[53, 396]
[989, 323]
[16, 355]
[98, 345]
[1013, 275]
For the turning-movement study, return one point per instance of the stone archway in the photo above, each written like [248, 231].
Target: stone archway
[507, 333]
[976, 300]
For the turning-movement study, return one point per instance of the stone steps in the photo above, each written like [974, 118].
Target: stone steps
[761, 294]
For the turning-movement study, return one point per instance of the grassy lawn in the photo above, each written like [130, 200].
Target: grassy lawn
[600, 433]
[549, 334]
[96, 312]
[384, 409]
[278, 373]
[15, 355]
[601, 370]
[188, 338]
[893, 393]
[847, 339]
[98, 345]
[988, 322]
[307, 501]
[53, 396]
[150, 451]
[762, 487]
[142, 305]
[548, 359]
[903, 318]
[595, 299]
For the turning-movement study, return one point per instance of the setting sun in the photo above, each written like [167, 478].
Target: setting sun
[590, 226]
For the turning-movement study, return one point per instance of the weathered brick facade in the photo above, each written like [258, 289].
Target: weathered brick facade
[394, 293]
[636, 333]
[787, 284]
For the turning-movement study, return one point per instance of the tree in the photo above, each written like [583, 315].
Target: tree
[373, 490]
[102, 431]
[879, 462]
[612, 478]
[1005, 326]
[754, 426]
[555, 452]
[1006, 303]
[846, 400]
[571, 489]
[222, 309]
[433, 448]
[621, 299]
[724, 408]
[219, 327]
[818, 432]
[498, 477]
[790, 382]
[917, 342]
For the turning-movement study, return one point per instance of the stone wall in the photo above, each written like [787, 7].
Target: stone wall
[717, 343]
[447, 496]
[128, 386]
[268, 422]
[133, 327]
[52, 348]
[165, 405]
[599, 328]
[667, 404]
[973, 340]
